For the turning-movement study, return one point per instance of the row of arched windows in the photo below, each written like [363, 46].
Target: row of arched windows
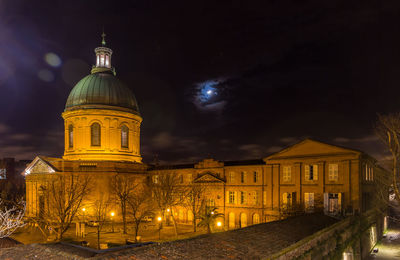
[95, 135]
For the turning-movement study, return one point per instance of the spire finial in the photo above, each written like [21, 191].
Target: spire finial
[103, 40]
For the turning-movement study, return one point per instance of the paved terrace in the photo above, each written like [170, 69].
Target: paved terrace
[253, 242]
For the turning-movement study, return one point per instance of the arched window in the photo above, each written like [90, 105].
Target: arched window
[70, 136]
[124, 136]
[95, 134]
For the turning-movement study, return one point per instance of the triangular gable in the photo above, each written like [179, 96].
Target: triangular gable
[39, 165]
[207, 178]
[309, 147]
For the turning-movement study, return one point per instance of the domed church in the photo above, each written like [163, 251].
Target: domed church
[101, 117]
[102, 140]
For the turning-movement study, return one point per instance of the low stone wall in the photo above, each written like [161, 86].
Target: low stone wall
[354, 236]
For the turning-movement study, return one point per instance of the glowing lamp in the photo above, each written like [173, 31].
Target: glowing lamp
[212, 212]
[112, 214]
[159, 219]
[83, 209]
[167, 210]
[219, 224]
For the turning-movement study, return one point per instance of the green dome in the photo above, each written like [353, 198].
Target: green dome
[101, 88]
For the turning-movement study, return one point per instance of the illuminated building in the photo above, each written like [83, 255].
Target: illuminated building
[102, 139]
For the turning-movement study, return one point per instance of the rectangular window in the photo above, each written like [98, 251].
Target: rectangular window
[231, 177]
[255, 177]
[333, 172]
[255, 197]
[287, 173]
[210, 203]
[311, 172]
[242, 197]
[243, 177]
[232, 197]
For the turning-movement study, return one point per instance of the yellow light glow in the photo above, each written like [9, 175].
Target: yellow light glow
[167, 210]
[212, 212]
[219, 224]
[83, 209]
[112, 214]
[159, 218]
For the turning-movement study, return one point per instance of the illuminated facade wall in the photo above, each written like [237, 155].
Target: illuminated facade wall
[110, 146]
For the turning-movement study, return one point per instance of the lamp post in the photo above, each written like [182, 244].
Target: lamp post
[159, 227]
[112, 220]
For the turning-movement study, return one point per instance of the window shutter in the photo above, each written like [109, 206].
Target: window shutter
[235, 197]
[307, 172]
[340, 201]
[315, 172]
[227, 197]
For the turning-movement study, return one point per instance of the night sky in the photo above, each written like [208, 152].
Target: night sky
[224, 79]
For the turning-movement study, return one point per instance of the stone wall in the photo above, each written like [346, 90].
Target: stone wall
[355, 236]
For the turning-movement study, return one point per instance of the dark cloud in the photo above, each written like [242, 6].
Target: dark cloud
[289, 70]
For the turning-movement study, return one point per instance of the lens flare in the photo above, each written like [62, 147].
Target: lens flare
[52, 59]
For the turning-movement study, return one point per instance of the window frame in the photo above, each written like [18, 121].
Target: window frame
[333, 172]
[124, 129]
[92, 134]
[70, 136]
[287, 173]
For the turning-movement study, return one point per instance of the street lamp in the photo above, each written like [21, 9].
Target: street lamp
[112, 220]
[159, 227]
[219, 224]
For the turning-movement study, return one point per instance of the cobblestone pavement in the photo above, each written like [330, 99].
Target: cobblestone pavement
[252, 242]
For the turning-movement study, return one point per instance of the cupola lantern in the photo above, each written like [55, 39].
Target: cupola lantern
[103, 57]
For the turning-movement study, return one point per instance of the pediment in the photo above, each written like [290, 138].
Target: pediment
[308, 148]
[208, 178]
[39, 165]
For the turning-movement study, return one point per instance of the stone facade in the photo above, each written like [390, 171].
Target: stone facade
[246, 192]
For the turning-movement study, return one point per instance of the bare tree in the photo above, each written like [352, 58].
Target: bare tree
[140, 205]
[11, 218]
[100, 209]
[388, 130]
[194, 201]
[208, 218]
[64, 194]
[123, 186]
[167, 194]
